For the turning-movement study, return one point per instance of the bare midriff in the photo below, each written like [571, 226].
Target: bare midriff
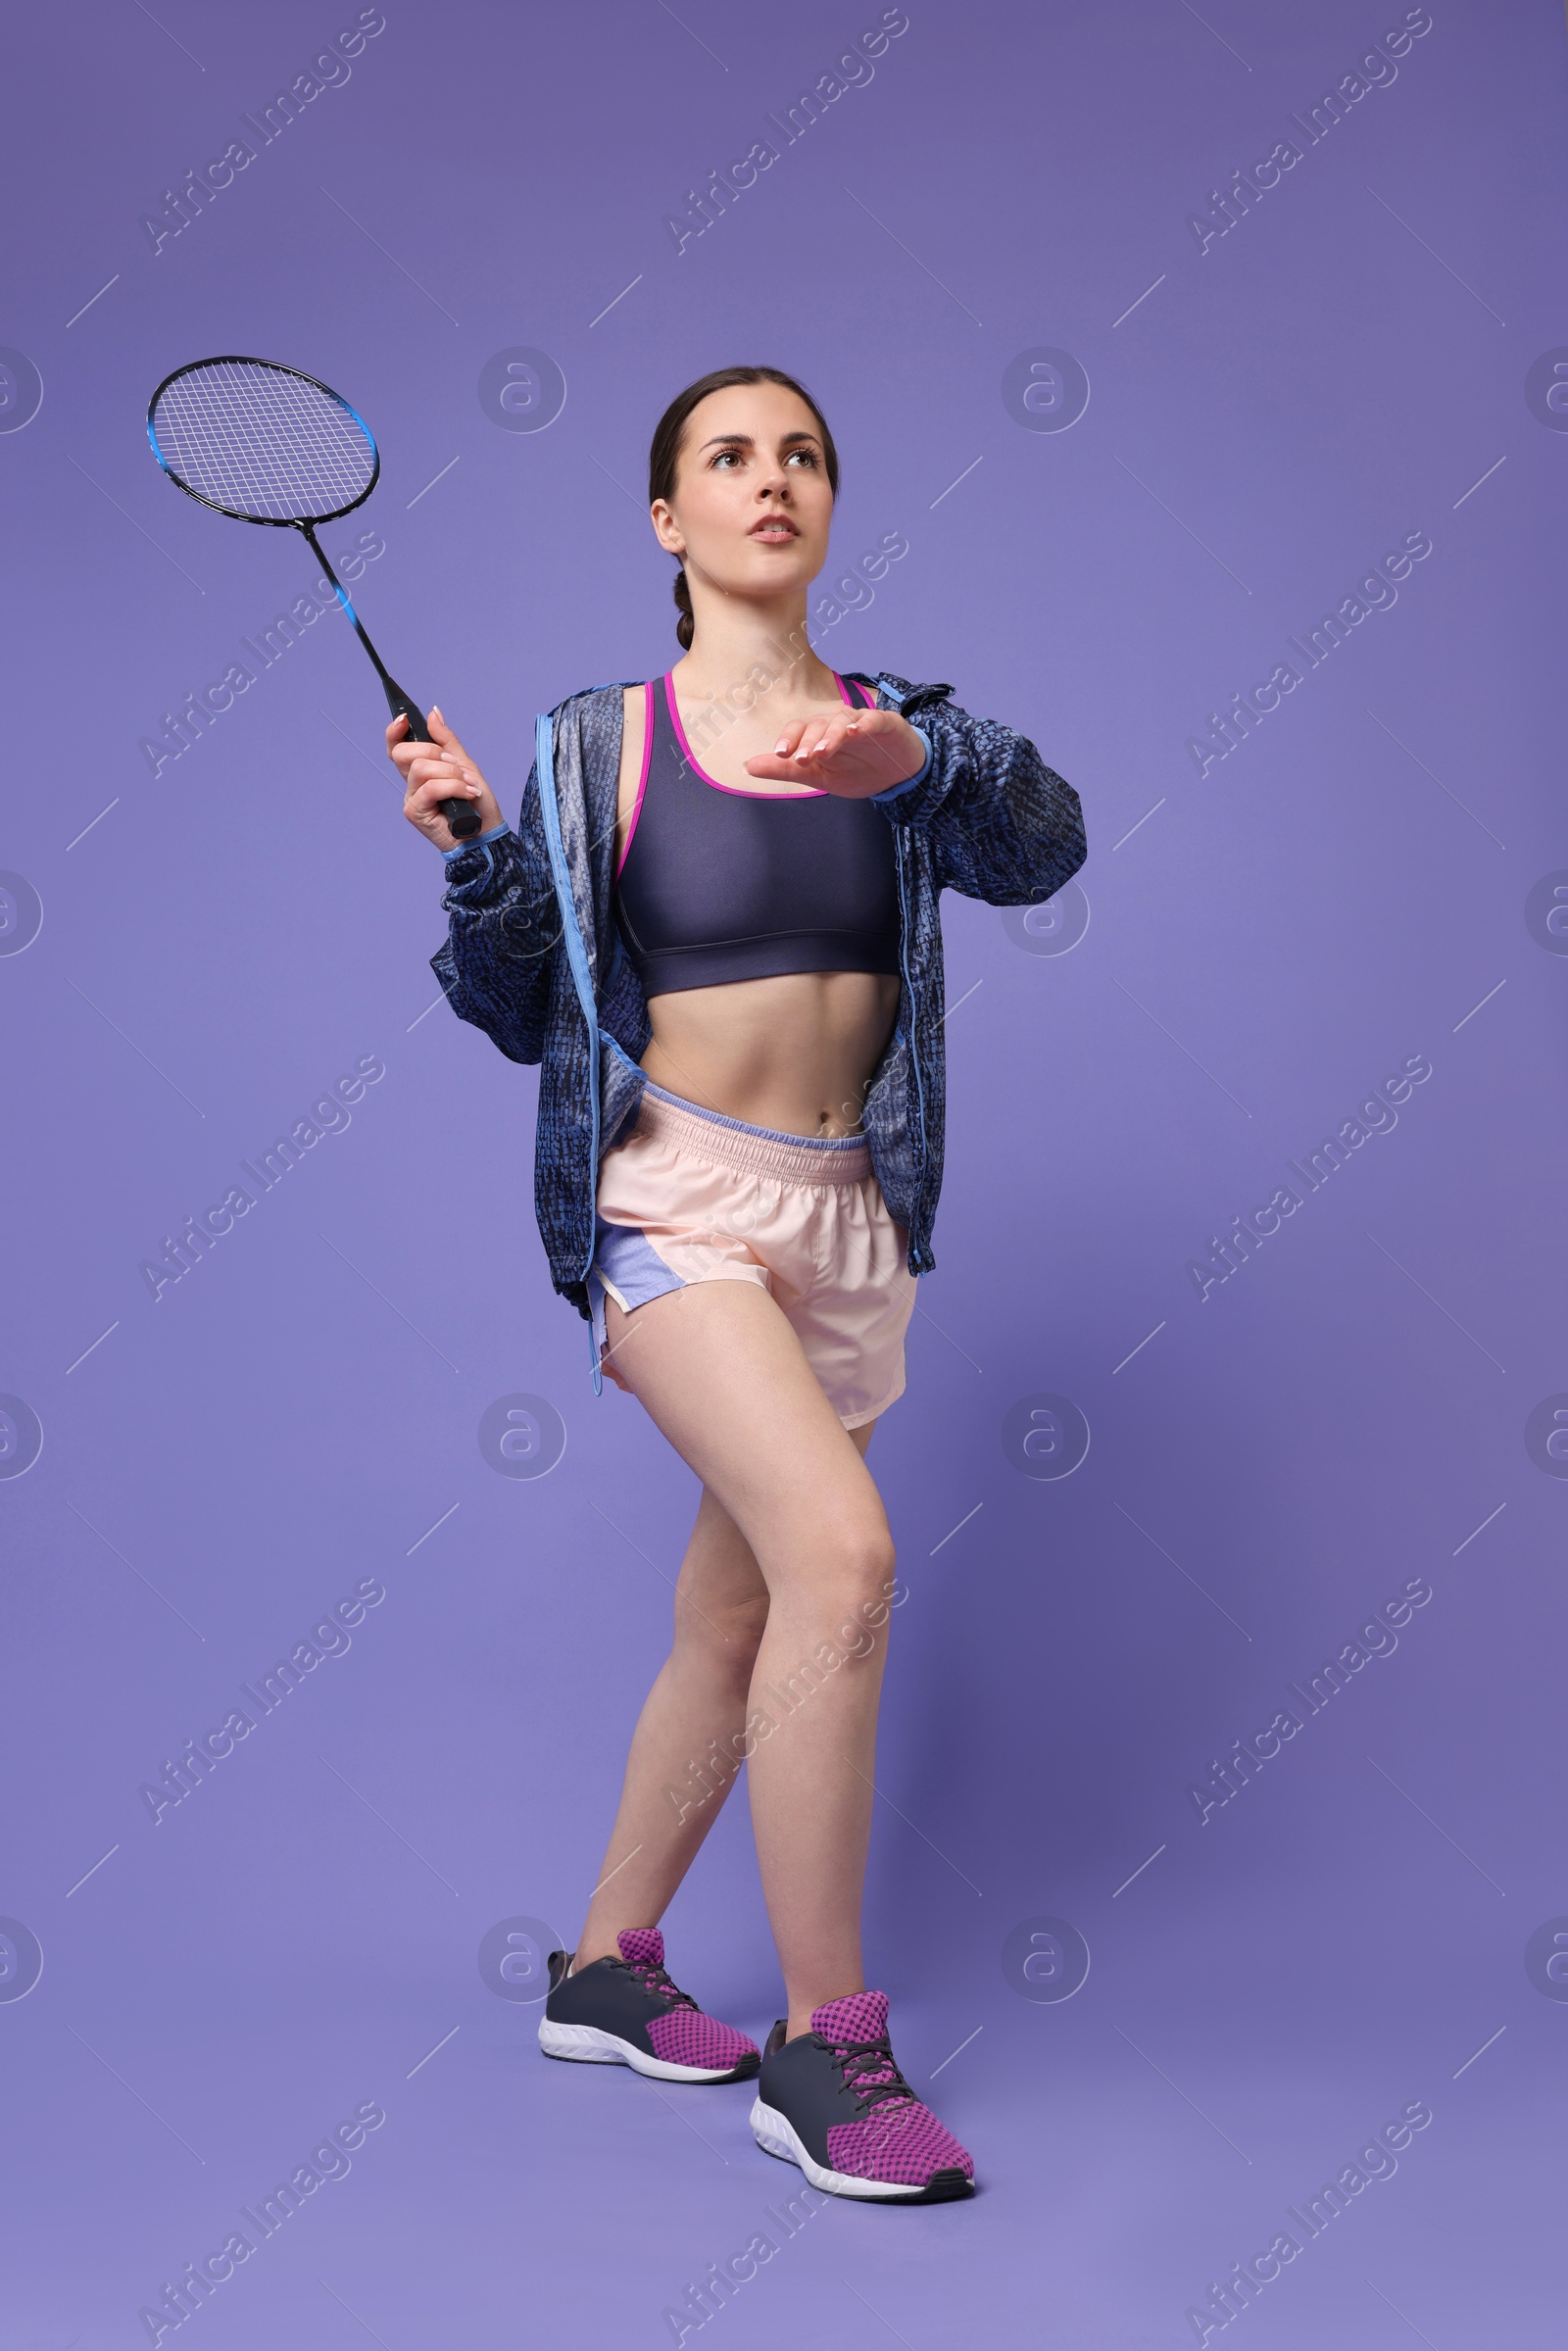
[796, 1051]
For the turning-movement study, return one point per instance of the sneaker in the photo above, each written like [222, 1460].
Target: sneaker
[626, 2011]
[833, 2101]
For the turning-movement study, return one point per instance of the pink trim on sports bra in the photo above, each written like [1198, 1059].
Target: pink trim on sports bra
[642, 780]
[812, 792]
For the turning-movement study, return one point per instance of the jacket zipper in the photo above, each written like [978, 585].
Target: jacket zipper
[577, 957]
[898, 845]
[915, 1049]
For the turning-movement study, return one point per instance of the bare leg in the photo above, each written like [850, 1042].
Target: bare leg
[722, 1374]
[697, 1705]
[688, 1745]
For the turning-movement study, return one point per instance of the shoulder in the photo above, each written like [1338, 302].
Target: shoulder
[633, 733]
[586, 728]
[591, 703]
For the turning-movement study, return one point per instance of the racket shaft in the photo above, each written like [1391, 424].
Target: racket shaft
[463, 818]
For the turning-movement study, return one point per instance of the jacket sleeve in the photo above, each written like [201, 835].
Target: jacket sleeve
[1002, 826]
[504, 929]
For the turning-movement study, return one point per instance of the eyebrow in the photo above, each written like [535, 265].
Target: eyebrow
[744, 440]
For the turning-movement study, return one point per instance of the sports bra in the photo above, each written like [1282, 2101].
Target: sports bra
[719, 884]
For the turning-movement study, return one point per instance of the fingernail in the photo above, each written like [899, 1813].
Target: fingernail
[780, 745]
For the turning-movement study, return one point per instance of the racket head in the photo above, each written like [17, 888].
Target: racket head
[261, 442]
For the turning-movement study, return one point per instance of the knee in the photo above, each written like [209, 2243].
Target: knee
[855, 1579]
[728, 1634]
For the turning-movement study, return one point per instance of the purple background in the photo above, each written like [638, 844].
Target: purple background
[1271, 940]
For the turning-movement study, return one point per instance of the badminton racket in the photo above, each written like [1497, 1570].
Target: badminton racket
[264, 443]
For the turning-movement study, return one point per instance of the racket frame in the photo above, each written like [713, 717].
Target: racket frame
[236, 359]
[462, 818]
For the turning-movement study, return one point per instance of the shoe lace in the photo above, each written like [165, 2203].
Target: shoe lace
[655, 1979]
[871, 2070]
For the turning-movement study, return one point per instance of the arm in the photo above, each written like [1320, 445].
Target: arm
[503, 927]
[1002, 826]
[500, 902]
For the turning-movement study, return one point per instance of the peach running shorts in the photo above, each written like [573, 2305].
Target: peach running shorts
[694, 1196]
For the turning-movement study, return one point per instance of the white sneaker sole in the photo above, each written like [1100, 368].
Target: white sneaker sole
[775, 2134]
[589, 2046]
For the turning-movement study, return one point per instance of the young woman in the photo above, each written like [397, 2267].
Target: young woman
[715, 927]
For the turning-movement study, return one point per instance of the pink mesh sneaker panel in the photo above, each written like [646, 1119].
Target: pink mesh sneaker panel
[864, 2016]
[900, 2142]
[688, 2037]
[642, 1946]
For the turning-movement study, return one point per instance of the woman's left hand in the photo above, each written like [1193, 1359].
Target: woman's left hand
[851, 753]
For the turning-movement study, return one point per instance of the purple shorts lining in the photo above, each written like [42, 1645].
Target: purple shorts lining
[815, 1142]
[751, 1149]
[623, 1254]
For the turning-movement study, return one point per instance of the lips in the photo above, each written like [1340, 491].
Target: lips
[776, 526]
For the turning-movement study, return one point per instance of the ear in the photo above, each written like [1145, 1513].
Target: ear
[666, 530]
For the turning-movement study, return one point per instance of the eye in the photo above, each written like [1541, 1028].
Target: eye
[725, 453]
[807, 457]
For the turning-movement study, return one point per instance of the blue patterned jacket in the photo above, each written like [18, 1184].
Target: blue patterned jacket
[534, 957]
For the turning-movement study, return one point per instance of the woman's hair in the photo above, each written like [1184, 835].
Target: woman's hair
[665, 455]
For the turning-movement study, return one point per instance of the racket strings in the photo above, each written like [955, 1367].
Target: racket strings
[260, 441]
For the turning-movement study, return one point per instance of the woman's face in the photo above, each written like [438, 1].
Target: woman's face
[753, 506]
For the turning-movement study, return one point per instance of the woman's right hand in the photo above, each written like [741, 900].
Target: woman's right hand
[434, 771]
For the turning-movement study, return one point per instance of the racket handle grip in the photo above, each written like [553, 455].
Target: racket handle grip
[462, 817]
